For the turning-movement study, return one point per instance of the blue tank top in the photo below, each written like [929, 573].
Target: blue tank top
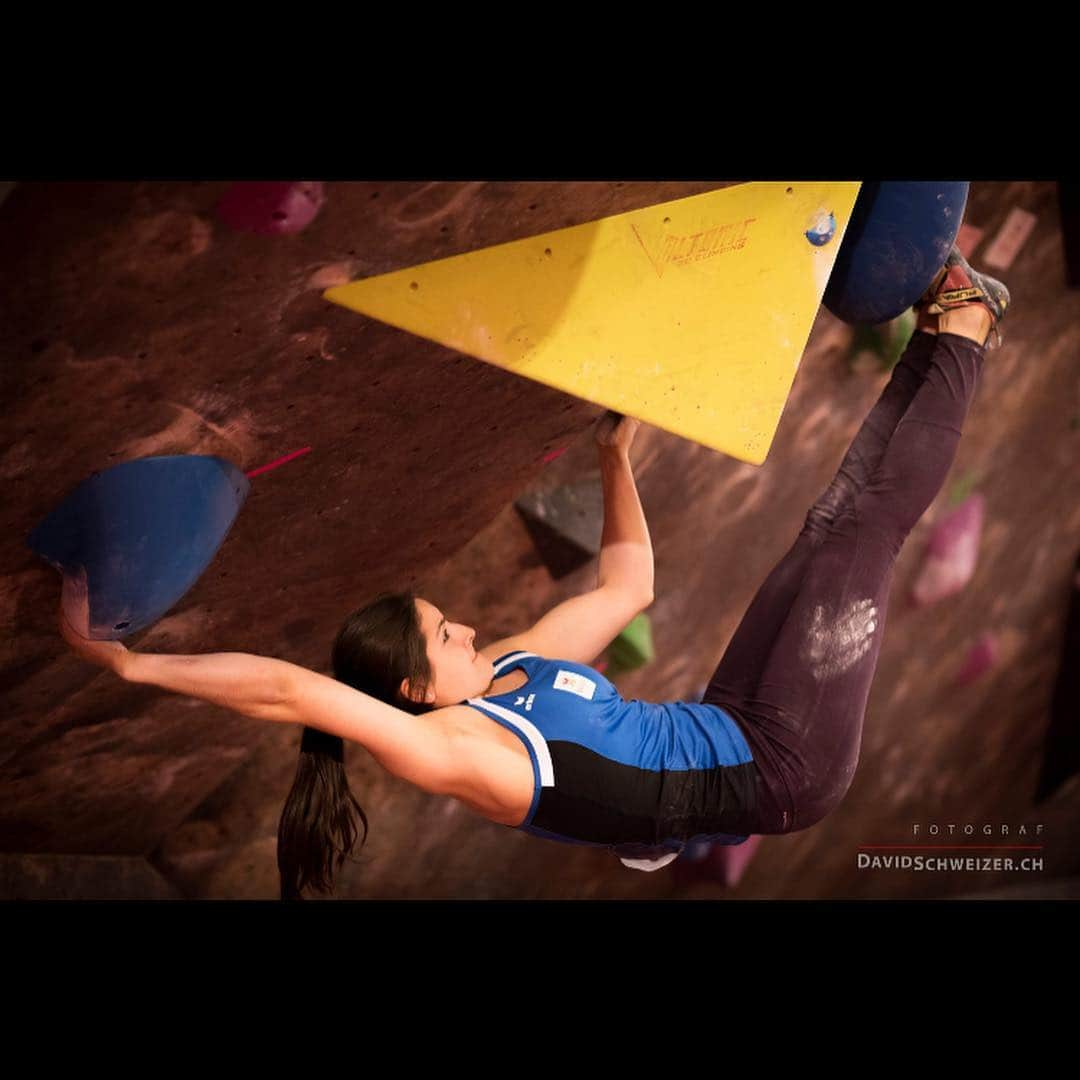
[640, 778]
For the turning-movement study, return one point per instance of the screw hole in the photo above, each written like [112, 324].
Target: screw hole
[121, 625]
[413, 285]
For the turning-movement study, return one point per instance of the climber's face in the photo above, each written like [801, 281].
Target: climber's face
[458, 670]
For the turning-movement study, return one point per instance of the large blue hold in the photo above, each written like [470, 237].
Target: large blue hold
[898, 238]
[145, 530]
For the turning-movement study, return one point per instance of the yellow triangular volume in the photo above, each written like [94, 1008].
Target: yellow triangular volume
[691, 315]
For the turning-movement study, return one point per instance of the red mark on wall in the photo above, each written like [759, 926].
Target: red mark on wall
[275, 464]
[554, 454]
[681, 250]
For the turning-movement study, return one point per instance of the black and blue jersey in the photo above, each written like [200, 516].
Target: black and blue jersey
[640, 778]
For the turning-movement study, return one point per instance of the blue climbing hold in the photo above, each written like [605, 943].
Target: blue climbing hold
[145, 531]
[822, 230]
[899, 236]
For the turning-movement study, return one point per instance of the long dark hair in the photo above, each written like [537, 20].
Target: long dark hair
[376, 647]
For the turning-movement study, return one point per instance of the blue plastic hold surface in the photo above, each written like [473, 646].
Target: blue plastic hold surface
[145, 531]
[899, 236]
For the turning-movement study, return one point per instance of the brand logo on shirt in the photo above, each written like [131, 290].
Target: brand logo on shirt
[576, 684]
[527, 701]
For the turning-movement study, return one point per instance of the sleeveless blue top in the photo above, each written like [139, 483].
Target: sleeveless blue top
[640, 778]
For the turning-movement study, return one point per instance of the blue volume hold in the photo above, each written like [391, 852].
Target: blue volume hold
[899, 236]
[145, 531]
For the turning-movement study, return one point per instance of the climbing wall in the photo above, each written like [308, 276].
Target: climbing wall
[141, 322]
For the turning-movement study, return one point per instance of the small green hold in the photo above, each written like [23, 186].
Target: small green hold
[633, 648]
[879, 347]
[962, 488]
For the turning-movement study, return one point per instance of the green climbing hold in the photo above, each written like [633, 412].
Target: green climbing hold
[633, 648]
[878, 348]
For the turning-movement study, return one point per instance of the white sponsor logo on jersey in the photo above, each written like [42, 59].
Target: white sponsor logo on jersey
[576, 684]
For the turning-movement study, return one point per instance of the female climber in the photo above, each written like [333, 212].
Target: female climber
[528, 735]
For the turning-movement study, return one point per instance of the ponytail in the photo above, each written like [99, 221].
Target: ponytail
[376, 648]
[319, 819]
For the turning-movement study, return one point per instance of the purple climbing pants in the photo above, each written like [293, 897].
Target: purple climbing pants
[797, 672]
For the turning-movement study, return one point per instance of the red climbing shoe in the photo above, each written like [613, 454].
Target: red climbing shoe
[956, 285]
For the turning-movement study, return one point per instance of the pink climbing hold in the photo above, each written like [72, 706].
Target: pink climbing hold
[952, 552]
[733, 861]
[272, 208]
[981, 657]
[723, 863]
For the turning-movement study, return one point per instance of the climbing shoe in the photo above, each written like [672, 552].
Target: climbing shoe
[956, 285]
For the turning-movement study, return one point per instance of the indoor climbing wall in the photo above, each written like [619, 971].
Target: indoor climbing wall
[154, 319]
